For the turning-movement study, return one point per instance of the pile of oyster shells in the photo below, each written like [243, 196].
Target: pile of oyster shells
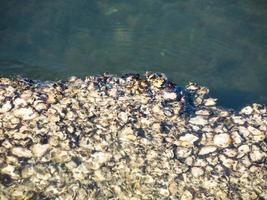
[130, 137]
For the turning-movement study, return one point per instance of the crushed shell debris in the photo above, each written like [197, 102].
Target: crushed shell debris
[129, 137]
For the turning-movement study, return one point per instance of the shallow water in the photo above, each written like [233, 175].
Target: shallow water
[219, 44]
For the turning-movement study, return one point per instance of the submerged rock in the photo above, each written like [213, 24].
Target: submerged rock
[129, 137]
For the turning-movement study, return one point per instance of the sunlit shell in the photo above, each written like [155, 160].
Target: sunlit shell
[222, 140]
[207, 150]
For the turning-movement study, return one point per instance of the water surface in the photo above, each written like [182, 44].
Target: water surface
[219, 44]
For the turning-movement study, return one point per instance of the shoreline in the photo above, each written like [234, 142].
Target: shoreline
[129, 137]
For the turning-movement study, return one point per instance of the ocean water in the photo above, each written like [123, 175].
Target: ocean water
[221, 44]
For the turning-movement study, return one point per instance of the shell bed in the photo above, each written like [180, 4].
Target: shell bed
[130, 137]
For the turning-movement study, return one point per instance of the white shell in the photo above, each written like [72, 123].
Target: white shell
[183, 152]
[169, 95]
[207, 149]
[247, 110]
[5, 107]
[39, 149]
[197, 171]
[25, 113]
[222, 140]
[198, 120]
[21, 152]
[210, 102]
[256, 154]
[187, 140]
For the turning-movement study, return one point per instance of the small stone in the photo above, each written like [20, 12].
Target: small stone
[21, 152]
[222, 140]
[198, 120]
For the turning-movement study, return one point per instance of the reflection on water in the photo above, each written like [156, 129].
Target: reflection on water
[220, 44]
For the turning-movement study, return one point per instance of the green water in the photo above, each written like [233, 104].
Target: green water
[221, 44]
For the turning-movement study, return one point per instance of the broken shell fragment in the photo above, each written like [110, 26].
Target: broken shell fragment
[222, 140]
